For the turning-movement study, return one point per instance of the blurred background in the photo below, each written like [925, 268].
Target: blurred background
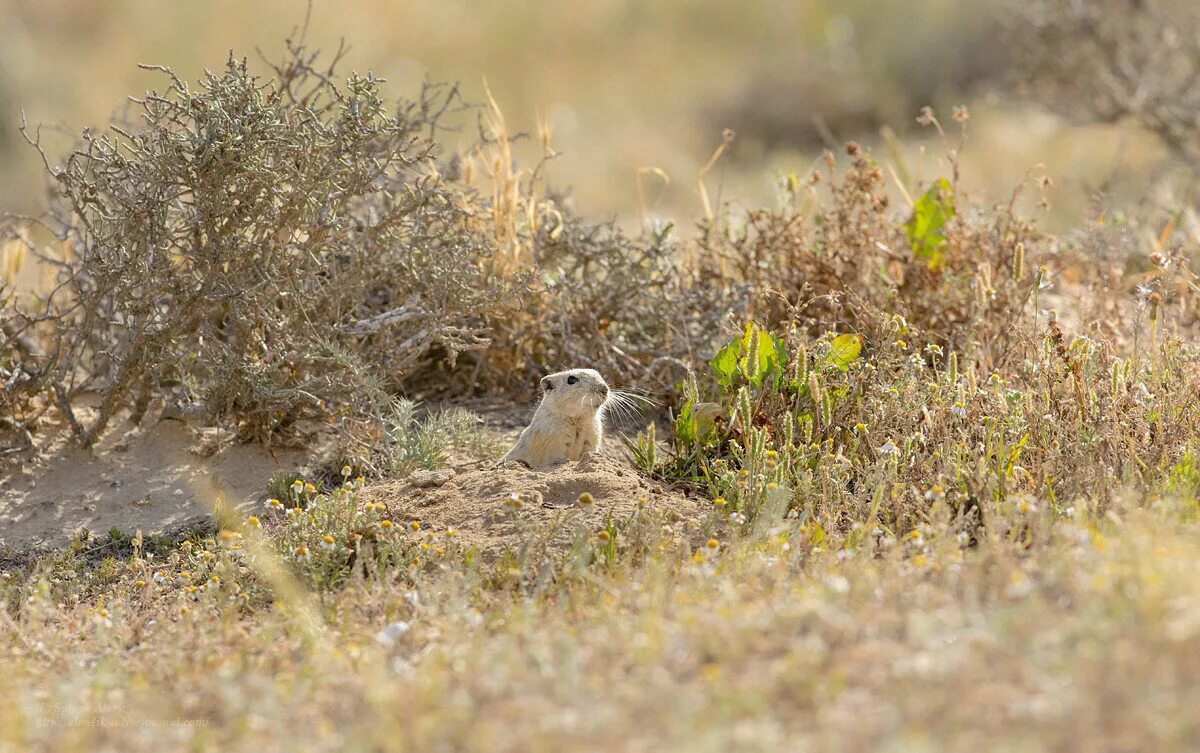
[628, 84]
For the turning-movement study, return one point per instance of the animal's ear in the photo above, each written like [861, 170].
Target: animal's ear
[547, 385]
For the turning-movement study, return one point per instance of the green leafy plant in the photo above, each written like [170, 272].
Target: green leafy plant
[756, 356]
[844, 351]
[925, 230]
[738, 439]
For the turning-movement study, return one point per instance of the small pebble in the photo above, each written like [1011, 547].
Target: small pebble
[392, 634]
[425, 479]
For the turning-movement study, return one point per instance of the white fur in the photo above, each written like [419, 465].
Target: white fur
[568, 422]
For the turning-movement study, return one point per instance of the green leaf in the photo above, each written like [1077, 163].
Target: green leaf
[725, 365]
[766, 360]
[685, 425]
[816, 534]
[757, 356]
[926, 229]
[844, 350]
[751, 362]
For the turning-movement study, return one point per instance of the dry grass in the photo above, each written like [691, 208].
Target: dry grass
[983, 586]
[770, 643]
[949, 501]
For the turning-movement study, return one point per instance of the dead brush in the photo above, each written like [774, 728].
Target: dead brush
[262, 252]
[843, 256]
[593, 295]
[1108, 62]
[271, 251]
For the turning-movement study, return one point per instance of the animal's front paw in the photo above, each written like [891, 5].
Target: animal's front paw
[512, 463]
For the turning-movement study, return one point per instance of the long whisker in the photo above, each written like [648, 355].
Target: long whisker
[621, 418]
[627, 406]
[624, 411]
[637, 396]
[634, 404]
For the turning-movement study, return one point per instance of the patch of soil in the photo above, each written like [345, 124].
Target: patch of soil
[157, 478]
[164, 476]
[473, 501]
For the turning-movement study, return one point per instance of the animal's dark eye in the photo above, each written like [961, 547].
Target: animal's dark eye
[572, 380]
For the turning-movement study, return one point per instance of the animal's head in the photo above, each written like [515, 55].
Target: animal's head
[575, 392]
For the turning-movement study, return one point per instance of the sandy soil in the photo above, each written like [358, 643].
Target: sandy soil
[473, 501]
[157, 478]
[165, 476]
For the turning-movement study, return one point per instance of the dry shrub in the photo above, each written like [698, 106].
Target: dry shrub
[836, 257]
[630, 308]
[14, 378]
[1131, 62]
[22, 376]
[260, 252]
[266, 251]
[1111, 61]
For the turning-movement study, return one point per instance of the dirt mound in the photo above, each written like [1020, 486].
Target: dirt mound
[474, 502]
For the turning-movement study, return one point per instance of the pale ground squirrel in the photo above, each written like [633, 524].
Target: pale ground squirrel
[569, 421]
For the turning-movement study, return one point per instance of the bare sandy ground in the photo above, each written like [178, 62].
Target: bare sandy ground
[156, 478]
